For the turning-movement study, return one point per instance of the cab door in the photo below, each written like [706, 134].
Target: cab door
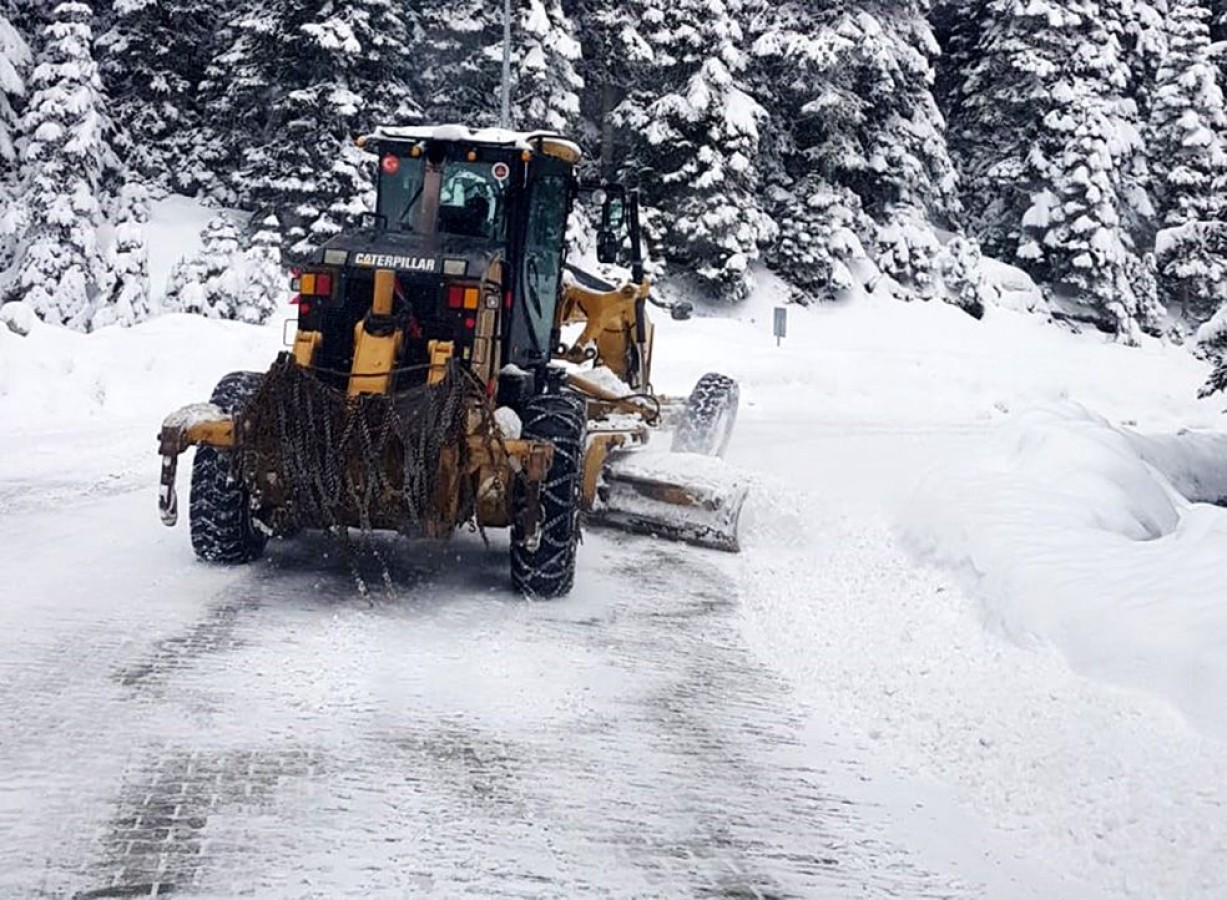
[539, 272]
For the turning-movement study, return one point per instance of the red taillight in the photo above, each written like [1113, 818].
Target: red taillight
[314, 284]
[455, 297]
[304, 308]
[470, 323]
[507, 299]
[390, 164]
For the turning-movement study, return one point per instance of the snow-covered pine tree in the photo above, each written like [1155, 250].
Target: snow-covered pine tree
[65, 163]
[297, 80]
[1053, 161]
[794, 70]
[1186, 142]
[959, 265]
[208, 283]
[1192, 268]
[849, 87]
[463, 81]
[909, 163]
[264, 279]
[1218, 34]
[128, 302]
[185, 287]
[818, 233]
[462, 45]
[1000, 65]
[1076, 236]
[956, 28]
[545, 94]
[906, 249]
[1144, 47]
[1211, 344]
[15, 59]
[152, 57]
[612, 51]
[906, 163]
[694, 138]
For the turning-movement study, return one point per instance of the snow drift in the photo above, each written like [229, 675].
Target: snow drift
[1097, 540]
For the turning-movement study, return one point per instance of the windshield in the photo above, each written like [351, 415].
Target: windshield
[471, 198]
[400, 190]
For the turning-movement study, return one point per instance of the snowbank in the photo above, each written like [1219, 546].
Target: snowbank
[877, 360]
[1092, 538]
[55, 378]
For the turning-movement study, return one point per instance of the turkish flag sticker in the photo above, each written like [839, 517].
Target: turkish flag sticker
[390, 165]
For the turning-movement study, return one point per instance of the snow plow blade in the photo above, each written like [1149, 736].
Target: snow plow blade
[677, 496]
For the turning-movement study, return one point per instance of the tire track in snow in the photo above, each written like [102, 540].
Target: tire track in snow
[157, 844]
[621, 742]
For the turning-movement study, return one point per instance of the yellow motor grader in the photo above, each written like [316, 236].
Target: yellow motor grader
[429, 384]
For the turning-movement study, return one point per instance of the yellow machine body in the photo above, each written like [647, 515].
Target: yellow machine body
[483, 476]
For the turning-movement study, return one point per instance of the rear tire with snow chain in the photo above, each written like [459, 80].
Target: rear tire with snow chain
[221, 521]
[548, 570]
[711, 411]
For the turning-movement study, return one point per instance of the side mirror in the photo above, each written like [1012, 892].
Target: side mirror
[613, 212]
[607, 245]
[681, 310]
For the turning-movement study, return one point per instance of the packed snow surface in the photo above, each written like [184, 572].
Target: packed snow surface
[973, 645]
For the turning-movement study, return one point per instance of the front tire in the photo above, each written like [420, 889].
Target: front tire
[221, 520]
[711, 411]
[548, 570]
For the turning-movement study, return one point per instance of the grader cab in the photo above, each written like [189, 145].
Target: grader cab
[430, 385]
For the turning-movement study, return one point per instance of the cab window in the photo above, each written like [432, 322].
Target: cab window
[471, 201]
[400, 191]
[541, 272]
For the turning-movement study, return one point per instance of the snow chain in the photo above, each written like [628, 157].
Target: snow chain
[319, 459]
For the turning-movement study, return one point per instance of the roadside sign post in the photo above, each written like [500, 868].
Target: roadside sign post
[781, 324]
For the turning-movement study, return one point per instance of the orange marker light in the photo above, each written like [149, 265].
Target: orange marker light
[471, 296]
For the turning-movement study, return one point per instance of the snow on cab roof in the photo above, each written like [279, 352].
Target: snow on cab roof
[546, 141]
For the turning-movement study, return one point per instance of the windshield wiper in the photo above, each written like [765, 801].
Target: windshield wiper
[400, 220]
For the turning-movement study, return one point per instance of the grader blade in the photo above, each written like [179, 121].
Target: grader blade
[678, 496]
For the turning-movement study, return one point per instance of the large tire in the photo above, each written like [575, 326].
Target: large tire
[548, 570]
[707, 422]
[221, 521]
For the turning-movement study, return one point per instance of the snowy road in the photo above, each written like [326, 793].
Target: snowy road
[820, 716]
[171, 726]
